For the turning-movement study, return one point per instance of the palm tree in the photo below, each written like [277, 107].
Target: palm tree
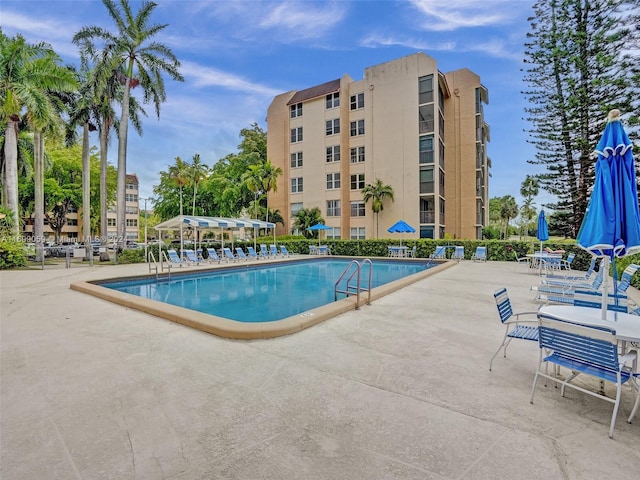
[377, 193]
[508, 210]
[179, 173]
[529, 189]
[305, 218]
[270, 174]
[27, 74]
[138, 60]
[252, 179]
[197, 171]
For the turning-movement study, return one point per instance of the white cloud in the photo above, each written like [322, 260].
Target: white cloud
[301, 19]
[34, 29]
[374, 41]
[443, 15]
[202, 76]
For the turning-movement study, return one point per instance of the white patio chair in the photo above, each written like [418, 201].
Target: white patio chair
[514, 327]
[588, 350]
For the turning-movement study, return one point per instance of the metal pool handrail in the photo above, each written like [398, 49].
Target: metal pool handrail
[348, 291]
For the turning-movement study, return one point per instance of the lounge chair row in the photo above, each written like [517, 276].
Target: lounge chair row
[195, 258]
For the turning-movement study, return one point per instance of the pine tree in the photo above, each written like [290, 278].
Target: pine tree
[577, 68]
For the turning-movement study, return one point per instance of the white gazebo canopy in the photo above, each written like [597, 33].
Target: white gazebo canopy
[209, 223]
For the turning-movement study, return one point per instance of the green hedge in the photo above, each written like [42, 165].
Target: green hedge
[12, 253]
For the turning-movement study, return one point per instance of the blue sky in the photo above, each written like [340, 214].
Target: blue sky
[237, 55]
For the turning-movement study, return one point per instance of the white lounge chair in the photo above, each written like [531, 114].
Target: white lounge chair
[480, 255]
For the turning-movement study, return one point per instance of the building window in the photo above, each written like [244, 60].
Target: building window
[296, 110]
[425, 118]
[426, 231]
[333, 100]
[130, 197]
[333, 154]
[111, 222]
[333, 126]
[295, 208]
[131, 210]
[357, 209]
[333, 234]
[426, 181]
[296, 135]
[357, 101]
[357, 181]
[425, 89]
[132, 186]
[72, 222]
[333, 181]
[296, 159]
[72, 209]
[132, 222]
[333, 208]
[296, 185]
[357, 154]
[357, 233]
[357, 128]
[426, 149]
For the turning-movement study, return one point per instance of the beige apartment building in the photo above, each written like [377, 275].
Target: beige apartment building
[72, 231]
[416, 129]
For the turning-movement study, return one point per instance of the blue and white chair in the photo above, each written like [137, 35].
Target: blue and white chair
[273, 251]
[192, 259]
[458, 253]
[174, 259]
[228, 254]
[324, 250]
[252, 253]
[313, 250]
[440, 253]
[514, 327]
[588, 350]
[283, 251]
[213, 255]
[565, 264]
[264, 252]
[240, 255]
[480, 255]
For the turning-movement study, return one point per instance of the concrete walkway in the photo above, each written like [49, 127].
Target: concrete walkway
[397, 390]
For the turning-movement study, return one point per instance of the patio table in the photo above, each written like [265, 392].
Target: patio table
[626, 325]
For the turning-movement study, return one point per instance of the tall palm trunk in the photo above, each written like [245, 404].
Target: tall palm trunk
[11, 170]
[104, 132]
[86, 192]
[122, 159]
[38, 180]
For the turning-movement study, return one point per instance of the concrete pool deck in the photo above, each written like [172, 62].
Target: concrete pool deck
[397, 390]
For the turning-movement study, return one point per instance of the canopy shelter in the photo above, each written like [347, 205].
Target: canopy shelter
[210, 223]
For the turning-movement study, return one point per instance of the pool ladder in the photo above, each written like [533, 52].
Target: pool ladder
[357, 288]
[153, 265]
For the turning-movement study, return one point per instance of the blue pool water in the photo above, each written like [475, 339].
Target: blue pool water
[262, 293]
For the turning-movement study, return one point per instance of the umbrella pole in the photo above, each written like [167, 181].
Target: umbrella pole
[605, 286]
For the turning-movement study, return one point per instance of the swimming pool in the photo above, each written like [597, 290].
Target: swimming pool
[255, 300]
[262, 293]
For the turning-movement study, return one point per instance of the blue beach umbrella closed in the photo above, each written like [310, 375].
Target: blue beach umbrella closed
[611, 225]
[542, 234]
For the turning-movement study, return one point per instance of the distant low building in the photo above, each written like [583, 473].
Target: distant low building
[72, 231]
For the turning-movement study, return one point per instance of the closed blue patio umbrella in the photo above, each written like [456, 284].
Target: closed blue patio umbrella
[542, 234]
[611, 225]
[401, 227]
